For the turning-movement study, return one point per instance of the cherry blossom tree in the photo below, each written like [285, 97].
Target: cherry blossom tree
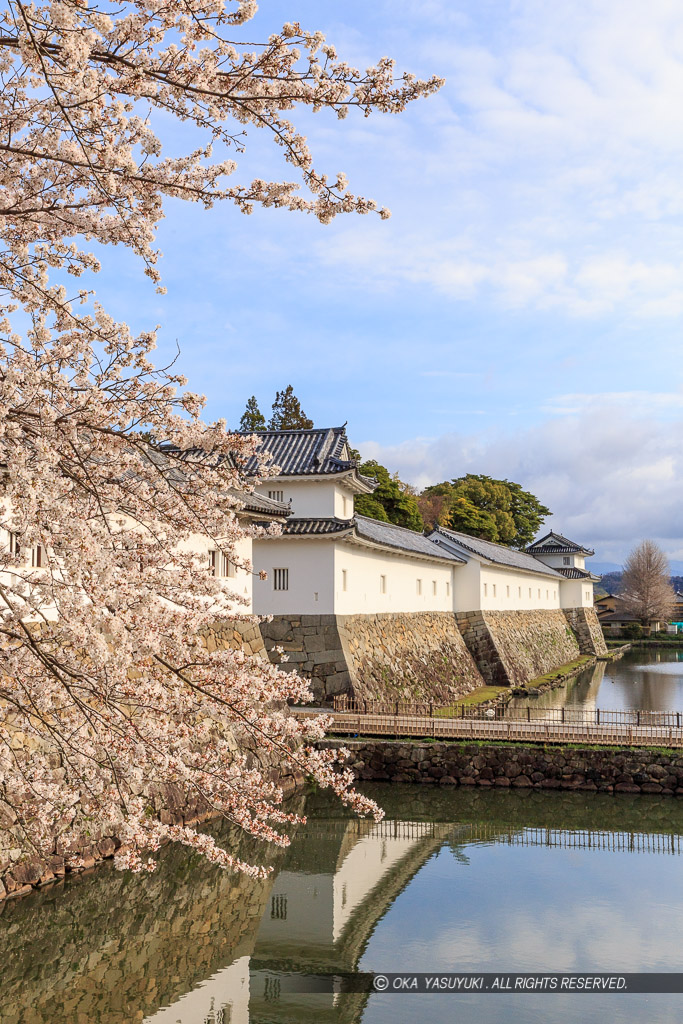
[112, 485]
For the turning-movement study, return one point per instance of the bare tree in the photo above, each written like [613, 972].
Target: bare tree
[647, 592]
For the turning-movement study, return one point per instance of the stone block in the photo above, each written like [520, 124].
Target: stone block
[314, 644]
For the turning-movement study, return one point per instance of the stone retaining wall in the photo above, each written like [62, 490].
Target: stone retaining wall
[587, 770]
[406, 656]
[313, 647]
[235, 634]
[512, 647]
[584, 623]
[410, 656]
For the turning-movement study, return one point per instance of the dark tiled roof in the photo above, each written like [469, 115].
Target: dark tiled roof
[399, 537]
[497, 553]
[173, 462]
[254, 502]
[619, 617]
[317, 527]
[305, 452]
[555, 544]
[572, 573]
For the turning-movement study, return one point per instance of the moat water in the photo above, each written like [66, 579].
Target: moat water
[643, 680]
[453, 880]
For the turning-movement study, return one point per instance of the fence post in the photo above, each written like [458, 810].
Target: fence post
[597, 712]
[528, 714]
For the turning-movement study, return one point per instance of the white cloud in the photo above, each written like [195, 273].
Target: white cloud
[549, 171]
[611, 473]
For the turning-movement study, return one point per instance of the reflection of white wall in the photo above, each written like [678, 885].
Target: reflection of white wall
[227, 990]
[301, 910]
[314, 909]
[364, 867]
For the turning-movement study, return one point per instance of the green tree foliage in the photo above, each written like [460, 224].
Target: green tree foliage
[399, 505]
[478, 505]
[253, 419]
[287, 412]
[367, 505]
[465, 517]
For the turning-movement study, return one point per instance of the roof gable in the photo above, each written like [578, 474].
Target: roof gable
[555, 543]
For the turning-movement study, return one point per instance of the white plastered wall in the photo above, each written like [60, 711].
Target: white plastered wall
[557, 561]
[364, 568]
[310, 561]
[479, 586]
[242, 582]
[508, 590]
[577, 594]
[314, 498]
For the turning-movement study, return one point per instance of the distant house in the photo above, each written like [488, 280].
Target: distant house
[614, 622]
[606, 604]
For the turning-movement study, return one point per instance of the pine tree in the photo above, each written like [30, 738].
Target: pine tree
[253, 419]
[287, 412]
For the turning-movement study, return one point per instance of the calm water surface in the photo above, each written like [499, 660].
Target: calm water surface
[644, 680]
[453, 880]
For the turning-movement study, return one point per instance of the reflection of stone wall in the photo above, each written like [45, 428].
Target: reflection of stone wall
[407, 656]
[584, 622]
[627, 770]
[172, 806]
[513, 647]
[112, 947]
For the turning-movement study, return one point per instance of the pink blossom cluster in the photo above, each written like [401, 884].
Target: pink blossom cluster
[108, 691]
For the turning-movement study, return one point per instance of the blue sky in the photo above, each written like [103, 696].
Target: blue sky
[520, 314]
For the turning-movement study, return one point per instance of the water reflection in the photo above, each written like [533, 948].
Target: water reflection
[642, 680]
[452, 880]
